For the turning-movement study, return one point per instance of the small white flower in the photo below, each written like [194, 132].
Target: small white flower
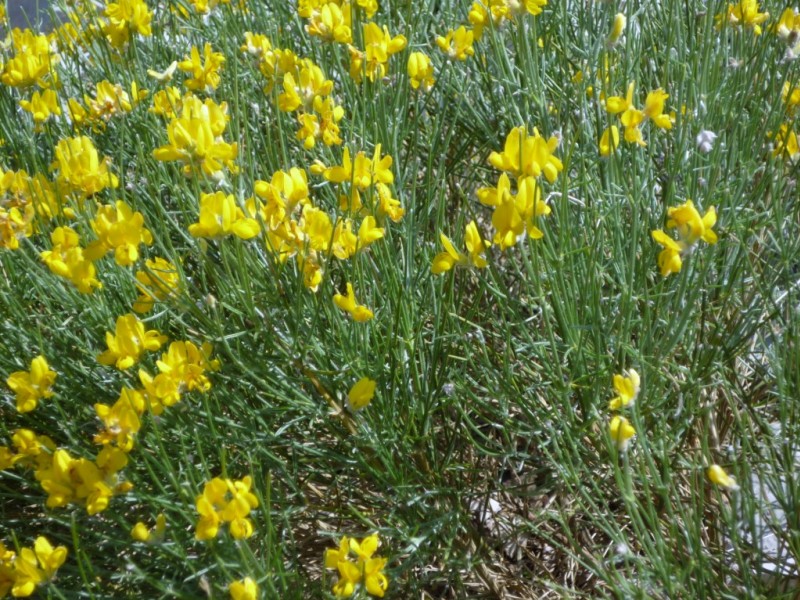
[705, 141]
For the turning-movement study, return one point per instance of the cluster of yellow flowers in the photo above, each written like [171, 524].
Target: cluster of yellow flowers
[22, 573]
[125, 18]
[526, 157]
[181, 369]
[80, 173]
[118, 227]
[633, 118]
[296, 228]
[225, 501]
[627, 388]
[109, 100]
[32, 62]
[691, 228]
[366, 568]
[332, 21]
[91, 483]
[94, 482]
[744, 13]
[64, 478]
[458, 44]
[195, 135]
[22, 198]
[306, 90]
[67, 259]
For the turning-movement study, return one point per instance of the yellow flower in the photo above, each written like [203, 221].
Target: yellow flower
[229, 501]
[66, 259]
[31, 386]
[627, 388]
[533, 7]
[690, 225]
[204, 72]
[361, 394]
[334, 557]
[476, 246]
[375, 581]
[141, 533]
[719, 477]
[121, 420]
[80, 169]
[358, 173]
[167, 102]
[525, 154]
[621, 431]
[368, 232]
[121, 229]
[482, 13]
[220, 216]
[33, 567]
[317, 227]
[476, 249]
[457, 44]
[32, 61]
[300, 92]
[110, 99]
[41, 106]
[159, 281]
[379, 45]
[744, 13]
[786, 143]
[286, 191]
[188, 364]
[366, 567]
[359, 312]
[370, 7]
[420, 71]
[609, 141]
[387, 205]
[130, 341]
[67, 479]
[245, 589]
[126, 17]
[617, 30]
[669, 259]
[788, 26]
[529, 205]
[331, 23]
[182, 368]
[444, 261]
[195, 138]
[15, 224]
[654, 109]
[31, 449]
[349, 578]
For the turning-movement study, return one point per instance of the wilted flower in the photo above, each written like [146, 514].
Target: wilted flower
[705, 141]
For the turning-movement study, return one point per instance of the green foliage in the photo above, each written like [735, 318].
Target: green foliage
[484, 461]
